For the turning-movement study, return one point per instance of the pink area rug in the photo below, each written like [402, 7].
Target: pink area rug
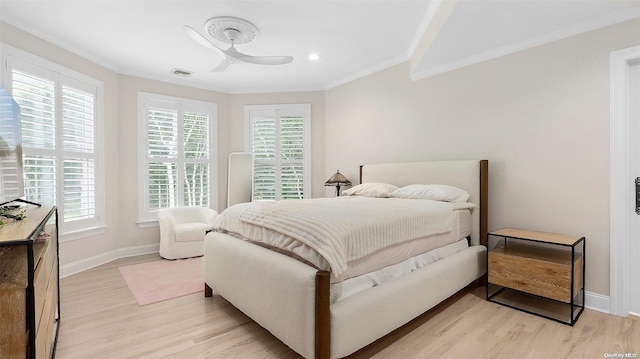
[164, 279]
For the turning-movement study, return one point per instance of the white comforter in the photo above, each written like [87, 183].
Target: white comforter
[342, 229]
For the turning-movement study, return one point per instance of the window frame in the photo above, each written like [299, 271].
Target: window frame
[147, 217]
[15, 59]
[303, 110]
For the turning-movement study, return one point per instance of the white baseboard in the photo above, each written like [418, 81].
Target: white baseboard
[597, 302]
[88, 263]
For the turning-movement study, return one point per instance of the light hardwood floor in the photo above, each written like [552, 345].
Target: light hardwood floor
[100, 319]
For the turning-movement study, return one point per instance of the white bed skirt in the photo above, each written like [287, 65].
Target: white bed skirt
[278, 292]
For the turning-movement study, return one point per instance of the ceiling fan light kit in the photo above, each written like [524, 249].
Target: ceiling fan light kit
[232, 30]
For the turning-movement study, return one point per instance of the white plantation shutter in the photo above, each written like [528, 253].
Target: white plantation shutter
[39, 178]
[36, 95]
[162, 132]
[78, 121]
[60, 125]
[163, 185]
[196, 185]
[79, 155]
[79, 189]
[279, 141]
[292, 169]
[162, 152]
[264, 155]
[196, 136]
[178, 153]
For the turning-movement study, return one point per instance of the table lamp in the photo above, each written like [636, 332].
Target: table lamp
[338, 180]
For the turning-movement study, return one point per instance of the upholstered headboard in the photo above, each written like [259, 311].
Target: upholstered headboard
[470, 175]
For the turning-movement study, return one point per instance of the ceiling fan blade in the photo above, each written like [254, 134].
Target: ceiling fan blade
[223, 65]
[266, 60]
[199, 38]
[259, 60]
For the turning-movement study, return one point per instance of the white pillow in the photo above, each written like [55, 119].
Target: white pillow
[380, 190]
[436, 192]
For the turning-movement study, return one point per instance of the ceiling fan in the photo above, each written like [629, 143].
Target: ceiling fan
[232, 30]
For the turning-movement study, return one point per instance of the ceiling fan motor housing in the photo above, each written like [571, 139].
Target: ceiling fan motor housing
[231, 29]
[232, 34]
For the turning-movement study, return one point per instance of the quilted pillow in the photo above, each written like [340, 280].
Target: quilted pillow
[436, 192]
[380, 190]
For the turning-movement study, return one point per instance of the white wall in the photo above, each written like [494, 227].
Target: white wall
[540, 116]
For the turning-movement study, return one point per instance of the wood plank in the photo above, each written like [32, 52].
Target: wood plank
[13, 267]
[555, 238]
[41, 278]
[13, 301]
[20, 230]
[539, 271]
[545, 278]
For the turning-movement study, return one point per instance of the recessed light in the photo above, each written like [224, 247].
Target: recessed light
[314, 57]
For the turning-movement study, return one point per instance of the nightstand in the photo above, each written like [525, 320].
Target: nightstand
[537, 272]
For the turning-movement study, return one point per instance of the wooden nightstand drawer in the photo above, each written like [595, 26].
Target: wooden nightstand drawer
[538, 271]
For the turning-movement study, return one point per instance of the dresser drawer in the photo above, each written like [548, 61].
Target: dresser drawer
[42, 277]
[45, 333]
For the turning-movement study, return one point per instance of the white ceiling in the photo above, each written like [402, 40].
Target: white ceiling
[353, 37]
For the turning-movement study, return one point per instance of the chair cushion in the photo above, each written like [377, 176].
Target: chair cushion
[189, 232]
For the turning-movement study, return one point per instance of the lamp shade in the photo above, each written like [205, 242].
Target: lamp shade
[338, 180]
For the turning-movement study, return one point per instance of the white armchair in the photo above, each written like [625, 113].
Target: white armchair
[182, 231]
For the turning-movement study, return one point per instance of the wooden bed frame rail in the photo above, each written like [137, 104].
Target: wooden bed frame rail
[323, 327]
[484, 201]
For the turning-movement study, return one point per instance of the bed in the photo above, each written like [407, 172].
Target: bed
[294, 298]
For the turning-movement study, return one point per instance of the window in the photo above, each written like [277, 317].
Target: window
[279, 139]
[61, 117]
[177, 154]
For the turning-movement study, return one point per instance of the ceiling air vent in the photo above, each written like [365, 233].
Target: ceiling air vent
[181, 72]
